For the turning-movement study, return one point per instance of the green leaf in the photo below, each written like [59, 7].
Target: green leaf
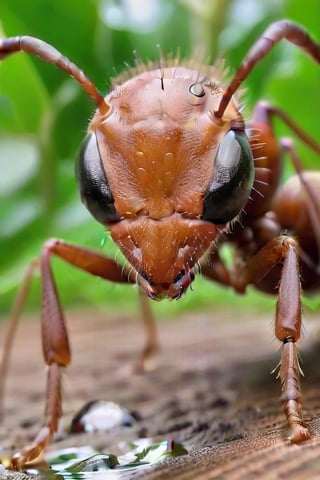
[157, 452]
[23, 97]
[96, 463]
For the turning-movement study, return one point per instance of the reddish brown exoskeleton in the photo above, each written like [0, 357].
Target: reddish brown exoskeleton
[169, 167]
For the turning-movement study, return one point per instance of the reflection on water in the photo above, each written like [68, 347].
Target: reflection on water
[84, 463]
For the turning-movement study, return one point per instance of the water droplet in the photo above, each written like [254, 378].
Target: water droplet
[100, 415]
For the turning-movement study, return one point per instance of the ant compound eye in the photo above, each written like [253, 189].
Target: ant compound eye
[94, 188]
[232, 179]
[197, 90]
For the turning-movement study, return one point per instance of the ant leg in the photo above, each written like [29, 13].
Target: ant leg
[12, 327]
[151, 346]
[282, 250]
[287, 329]
[55, 340]
[213, 268]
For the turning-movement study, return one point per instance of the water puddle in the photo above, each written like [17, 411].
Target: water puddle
[84, 463]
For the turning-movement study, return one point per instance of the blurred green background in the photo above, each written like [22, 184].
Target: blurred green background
[44, 115]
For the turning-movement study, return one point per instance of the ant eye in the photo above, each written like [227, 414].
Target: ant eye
[94, 188]
[232, 179]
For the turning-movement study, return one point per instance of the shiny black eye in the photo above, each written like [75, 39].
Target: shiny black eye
[94, 188]
[232, 179]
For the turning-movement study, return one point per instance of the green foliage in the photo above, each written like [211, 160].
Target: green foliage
[44, 114]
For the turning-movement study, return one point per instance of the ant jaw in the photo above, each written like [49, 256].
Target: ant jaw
[164, 252]
[180, 284]
[173, 291]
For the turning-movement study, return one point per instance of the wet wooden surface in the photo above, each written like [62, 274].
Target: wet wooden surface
[211, 389]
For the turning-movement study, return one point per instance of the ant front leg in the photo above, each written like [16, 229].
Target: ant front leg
[55, 341]
[283, 251]
[287, 329]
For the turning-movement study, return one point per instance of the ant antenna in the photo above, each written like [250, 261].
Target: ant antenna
[283, 29]
[49, 54]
